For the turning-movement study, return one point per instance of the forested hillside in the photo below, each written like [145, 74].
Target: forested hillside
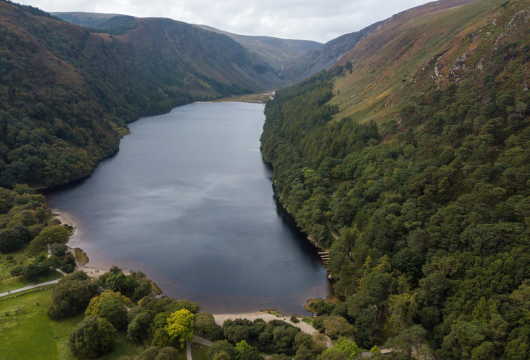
[66, 93]
[427, 183]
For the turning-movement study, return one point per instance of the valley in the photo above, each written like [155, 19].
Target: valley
[208, 163]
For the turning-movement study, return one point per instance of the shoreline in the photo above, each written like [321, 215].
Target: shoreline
[67, 220]
[220, 318]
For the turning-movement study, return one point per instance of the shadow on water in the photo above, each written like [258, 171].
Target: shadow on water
[301, 239]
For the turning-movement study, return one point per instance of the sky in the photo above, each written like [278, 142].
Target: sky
[318, 20]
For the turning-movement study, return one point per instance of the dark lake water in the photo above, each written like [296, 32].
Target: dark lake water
[189, 201]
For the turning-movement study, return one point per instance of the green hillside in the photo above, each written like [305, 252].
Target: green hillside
[415, 148]
[67, 93]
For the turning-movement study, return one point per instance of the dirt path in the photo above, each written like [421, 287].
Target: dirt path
[333, 232]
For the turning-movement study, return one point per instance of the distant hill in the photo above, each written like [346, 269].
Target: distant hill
[271, 54]
[277, 52]
[324, 56]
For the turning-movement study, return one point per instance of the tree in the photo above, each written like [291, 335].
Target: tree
[204, 324]
[337, 326]
[10, 240]
[71, 296]
[246, 352]
[115, 312]
[303, 353]
[342, 349]
[180, 326]
[219, 347]
[96, 303]
[54, 234]
[407, 341]
[138, 328]
[92, 338]
[161, 338]
[59, 250]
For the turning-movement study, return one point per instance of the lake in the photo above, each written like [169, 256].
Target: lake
[189, 201]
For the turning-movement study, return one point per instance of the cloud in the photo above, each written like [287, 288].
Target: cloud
[294, 19]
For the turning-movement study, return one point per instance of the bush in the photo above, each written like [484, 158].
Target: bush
[92, 338]
[294, 319]
[31, 272]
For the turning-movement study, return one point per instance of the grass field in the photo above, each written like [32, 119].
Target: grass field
[19, 257]
[198, 351]
[32, 334]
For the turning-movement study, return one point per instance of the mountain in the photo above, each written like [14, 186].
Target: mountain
[270, 54]
[324, 56]
[414, 147]
[275, 51]
[68, 92]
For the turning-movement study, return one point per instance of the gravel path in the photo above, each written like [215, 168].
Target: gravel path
[29, 287]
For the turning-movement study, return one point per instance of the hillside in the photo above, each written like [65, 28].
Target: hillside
[270, 54]
[418, 158]
[324, 56]
[67, 92]
[275, 51]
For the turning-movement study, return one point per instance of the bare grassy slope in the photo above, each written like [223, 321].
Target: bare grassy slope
[432, 45]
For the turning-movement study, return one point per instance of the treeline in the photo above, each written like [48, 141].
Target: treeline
[432, 207]
[66, 94]
[25, 219]
[116, 302]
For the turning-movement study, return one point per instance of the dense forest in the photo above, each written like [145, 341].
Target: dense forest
[66, 93]
[432, 201]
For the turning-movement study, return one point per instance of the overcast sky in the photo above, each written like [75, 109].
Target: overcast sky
[319, 20]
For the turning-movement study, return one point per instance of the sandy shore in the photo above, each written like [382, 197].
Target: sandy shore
[220, 318]
[90, 271]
